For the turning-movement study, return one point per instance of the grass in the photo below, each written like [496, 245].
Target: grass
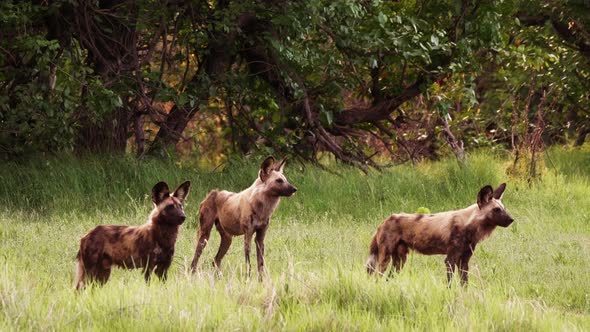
[535, 275]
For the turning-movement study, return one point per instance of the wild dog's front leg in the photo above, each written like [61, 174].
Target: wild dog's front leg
[247, 242]
[464, 266]
[162, 271]
[148, 268]
[260, 234]
[163, 264]
[147, 273]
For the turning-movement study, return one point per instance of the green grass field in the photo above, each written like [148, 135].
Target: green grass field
[534, 275]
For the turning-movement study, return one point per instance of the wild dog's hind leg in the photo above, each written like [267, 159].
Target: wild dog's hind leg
[259, 240]
[399, 256]
[103, 275]
[102, 270]
[383, 260]
[226, 240]
[451, 262]
[247, 243]
[206, 221]
[98, 269]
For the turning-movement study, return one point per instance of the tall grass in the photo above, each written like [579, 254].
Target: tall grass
[533, 275]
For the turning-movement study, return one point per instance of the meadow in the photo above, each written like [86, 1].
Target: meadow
[531, 276]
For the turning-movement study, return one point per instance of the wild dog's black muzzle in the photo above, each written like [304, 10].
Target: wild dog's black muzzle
[506, 222]
[289, 191]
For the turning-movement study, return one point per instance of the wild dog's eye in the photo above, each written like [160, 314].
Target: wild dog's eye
[496, 209]
[280, 181]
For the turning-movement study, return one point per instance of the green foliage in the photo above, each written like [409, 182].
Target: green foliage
[474, 63]
[423, 210]
[41, 94]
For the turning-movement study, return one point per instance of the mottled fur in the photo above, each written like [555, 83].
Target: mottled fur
[149, 246]
[245, 213]
[453, 233]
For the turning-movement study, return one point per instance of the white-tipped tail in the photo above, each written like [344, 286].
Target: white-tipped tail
[80, 273]
[373, 251]
[371, 263]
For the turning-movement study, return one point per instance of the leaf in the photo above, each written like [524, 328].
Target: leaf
[434, 40]
[382, 18]
[182, 99]
[329, 117]
[212, 91]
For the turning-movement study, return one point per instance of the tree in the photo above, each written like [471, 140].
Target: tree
[387, 54]
[351, 78]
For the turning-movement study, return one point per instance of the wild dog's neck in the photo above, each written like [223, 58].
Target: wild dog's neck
[164, 233]
[465, 216]
[258, 192]
[152, 219]
[157, 222]
[479, 223]
[261, 201]
[474, 221]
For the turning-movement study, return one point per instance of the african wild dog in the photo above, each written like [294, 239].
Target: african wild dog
[452, 233]
[150, 246]
[243, 213]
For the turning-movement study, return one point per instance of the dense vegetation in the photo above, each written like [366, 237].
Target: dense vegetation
[366, 81]
[530, 276]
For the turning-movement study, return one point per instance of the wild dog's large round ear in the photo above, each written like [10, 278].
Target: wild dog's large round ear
[182, 191]
[280, 165]
[485, 195]
[159, 192]
[499, 191]
[266, 168]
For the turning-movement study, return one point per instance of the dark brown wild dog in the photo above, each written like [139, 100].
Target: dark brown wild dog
[149, 246]
[452, 233]
[243, 213]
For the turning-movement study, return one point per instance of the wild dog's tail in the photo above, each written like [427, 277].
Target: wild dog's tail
[80, 272]
[373, 252]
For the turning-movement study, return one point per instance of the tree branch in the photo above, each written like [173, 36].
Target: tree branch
[381, 110]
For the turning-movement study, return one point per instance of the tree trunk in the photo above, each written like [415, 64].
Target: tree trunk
[139, 134]
[581, 137]
[107, 135]
[456, 145]
[112, 51]
[213, 67]
[171, 130]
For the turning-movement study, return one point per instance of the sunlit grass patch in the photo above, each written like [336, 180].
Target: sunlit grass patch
[530, 276]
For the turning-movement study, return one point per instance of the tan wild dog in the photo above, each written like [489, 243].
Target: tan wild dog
[453, 233]
[244, 213]
[150, 246]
